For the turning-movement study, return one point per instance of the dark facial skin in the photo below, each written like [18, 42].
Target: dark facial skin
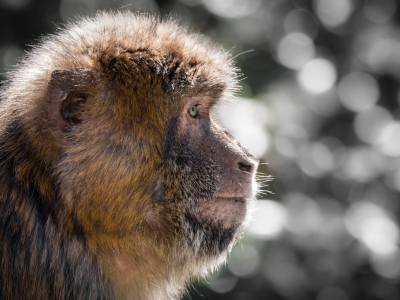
[219, 182]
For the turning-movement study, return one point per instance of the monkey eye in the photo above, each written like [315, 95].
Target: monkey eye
[193, 111]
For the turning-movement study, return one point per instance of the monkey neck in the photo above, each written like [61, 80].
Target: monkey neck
[133, 276]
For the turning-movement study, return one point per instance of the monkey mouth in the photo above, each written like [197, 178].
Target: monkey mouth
[242, 200]
[242, 197]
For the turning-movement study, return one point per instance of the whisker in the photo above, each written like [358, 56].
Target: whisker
[244, 52]
[124, 6]
[246, 172]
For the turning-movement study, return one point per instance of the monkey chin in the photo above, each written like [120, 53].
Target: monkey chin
[215, 225]
[224, 212]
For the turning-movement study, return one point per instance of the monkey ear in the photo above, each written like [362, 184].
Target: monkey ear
[66, 96]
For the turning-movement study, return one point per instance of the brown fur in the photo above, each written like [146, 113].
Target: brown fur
[109, 189]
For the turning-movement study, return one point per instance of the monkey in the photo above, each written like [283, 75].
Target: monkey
[116, 182]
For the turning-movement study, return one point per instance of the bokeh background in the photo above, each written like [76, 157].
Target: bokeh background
[320, 108]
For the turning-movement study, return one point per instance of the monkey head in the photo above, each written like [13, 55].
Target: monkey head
[118, 110]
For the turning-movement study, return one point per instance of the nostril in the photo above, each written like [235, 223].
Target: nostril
[245, 167]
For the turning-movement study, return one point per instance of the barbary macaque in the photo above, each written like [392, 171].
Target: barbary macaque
[115, 181]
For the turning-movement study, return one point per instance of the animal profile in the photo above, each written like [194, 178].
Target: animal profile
[115, 180]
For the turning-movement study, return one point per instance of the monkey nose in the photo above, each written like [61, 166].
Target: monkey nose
[246, 166]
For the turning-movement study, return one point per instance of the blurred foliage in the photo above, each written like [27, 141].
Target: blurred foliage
[320, 105]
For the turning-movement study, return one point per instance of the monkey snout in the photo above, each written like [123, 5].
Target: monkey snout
[247, 167]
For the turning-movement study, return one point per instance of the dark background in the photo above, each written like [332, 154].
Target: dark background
[320, 105]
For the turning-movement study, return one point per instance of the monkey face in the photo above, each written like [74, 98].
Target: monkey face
[213, 181]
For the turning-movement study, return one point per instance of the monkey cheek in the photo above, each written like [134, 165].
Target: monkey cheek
[223, 212]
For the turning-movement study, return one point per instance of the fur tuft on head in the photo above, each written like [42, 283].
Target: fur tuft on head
[111, 43]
